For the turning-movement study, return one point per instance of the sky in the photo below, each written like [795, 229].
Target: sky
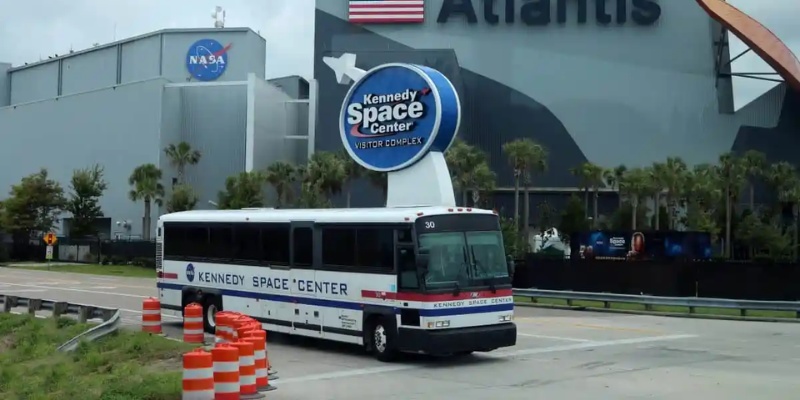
[31, 29]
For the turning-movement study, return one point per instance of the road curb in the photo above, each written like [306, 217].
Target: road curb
[658, 314]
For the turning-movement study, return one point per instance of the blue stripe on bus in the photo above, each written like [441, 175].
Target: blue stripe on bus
[438, 312]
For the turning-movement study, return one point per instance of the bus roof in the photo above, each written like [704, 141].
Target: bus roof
[353, 215]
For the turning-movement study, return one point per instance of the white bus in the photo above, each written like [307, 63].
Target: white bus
[431, 280]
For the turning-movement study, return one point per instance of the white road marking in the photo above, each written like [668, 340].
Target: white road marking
[509, 354]
[79, 290]
[565, 339]
[12, 291]
[101, 287]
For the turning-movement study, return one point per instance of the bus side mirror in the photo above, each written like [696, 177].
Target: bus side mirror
[422, 262]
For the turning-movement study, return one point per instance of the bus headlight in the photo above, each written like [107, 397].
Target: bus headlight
[439, 324]
[506, 318]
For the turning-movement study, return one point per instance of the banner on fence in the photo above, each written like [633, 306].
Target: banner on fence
[642, 245]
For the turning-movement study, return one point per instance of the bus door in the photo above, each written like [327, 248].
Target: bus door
[307, 314]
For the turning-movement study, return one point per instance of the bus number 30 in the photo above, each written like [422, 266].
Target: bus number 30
[429, 225]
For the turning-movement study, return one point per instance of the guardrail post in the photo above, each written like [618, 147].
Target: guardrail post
[9, 303]
[34, 305]
[107, 314]
[569, 302]
[691, 310]
[648, 307]
[6, 307]
[606, 304]
[60, 308]
[84, 313]
[743, 312]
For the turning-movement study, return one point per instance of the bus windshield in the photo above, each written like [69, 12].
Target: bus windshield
[463, 259]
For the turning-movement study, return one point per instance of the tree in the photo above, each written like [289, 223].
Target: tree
[281, 176]
[573, 219]
[704, 195]
[674, 175]
[590, 176]
[180, 156]
[352, 171]
[469, 170]
[379, 180]
[183, 198]
[658, 178]
[325, 174]
[86, 186]
[244, 190]
[613, 178]
[755, 163]
[33, 206]
[146, 183]
[636, 186]
[527, 158]
[731, 174]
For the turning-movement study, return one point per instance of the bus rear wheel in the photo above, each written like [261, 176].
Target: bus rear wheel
[211, 306]
[383, 339]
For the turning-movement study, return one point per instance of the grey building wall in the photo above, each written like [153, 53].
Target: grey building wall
[157, 54]
[213, 119]
[295, 86]
[5, 84]
[118, 128]
[280, 126]
[616, 94]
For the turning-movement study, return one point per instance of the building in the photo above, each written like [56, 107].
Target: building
[610, 82]
[120, 104]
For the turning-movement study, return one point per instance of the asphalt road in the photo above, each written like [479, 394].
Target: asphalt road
[560, 354]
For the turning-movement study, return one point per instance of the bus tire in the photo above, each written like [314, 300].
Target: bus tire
[383, 338]
[211, 305]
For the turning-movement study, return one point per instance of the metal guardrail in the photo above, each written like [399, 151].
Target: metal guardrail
[106, 328]
[84, 312]
[692, 303]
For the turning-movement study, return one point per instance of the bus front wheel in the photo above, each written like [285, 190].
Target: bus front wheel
[383, 338]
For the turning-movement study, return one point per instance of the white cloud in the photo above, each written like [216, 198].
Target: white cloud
[34, 29]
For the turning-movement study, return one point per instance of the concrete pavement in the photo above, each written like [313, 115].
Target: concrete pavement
[560, 354]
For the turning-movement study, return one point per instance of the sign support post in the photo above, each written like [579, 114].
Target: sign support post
[50, 239]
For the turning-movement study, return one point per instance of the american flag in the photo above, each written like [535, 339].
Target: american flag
[386, 11]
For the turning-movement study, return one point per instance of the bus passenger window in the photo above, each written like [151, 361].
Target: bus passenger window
[303, 247]
[408, 268]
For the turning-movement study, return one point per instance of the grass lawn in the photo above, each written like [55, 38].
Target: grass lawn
[134, 271]
[124, 366]
[664, 309]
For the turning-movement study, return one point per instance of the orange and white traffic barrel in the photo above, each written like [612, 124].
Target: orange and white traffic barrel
[151, 315]
[226, 372]
[247, 369]
[193, 323]
[259, 341]
[198, 375]
[222, 325]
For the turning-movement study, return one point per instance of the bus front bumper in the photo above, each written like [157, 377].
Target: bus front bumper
[457, 340]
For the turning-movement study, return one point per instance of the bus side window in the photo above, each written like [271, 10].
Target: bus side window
[408, 268]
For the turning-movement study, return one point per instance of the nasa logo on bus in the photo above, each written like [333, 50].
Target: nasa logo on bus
[190, 272]
[396, 114]
[207, 59]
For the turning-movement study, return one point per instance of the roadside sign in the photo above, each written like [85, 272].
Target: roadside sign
[49, 254]
[50, 238]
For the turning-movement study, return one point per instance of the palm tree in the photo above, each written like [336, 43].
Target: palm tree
[581, 173]
[731, 173]
[527, 158]
[754, 164]
[469, 170]
[281, 176]
[636, 185]
[704, 194]
[352, 171]
[658, 181]
[613, 177]
[146, 183]
[180, 156]
[378, 180]
[242, 190]
[674, 178]
[325, 173]
[783, 179]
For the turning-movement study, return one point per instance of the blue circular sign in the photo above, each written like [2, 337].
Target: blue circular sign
[207, 59]
[396, 114]
[190, 272]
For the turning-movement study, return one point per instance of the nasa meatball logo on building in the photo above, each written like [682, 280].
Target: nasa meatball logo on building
[207, 59]
[396, 114]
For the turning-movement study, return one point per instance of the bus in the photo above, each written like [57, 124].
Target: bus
[427, 280]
